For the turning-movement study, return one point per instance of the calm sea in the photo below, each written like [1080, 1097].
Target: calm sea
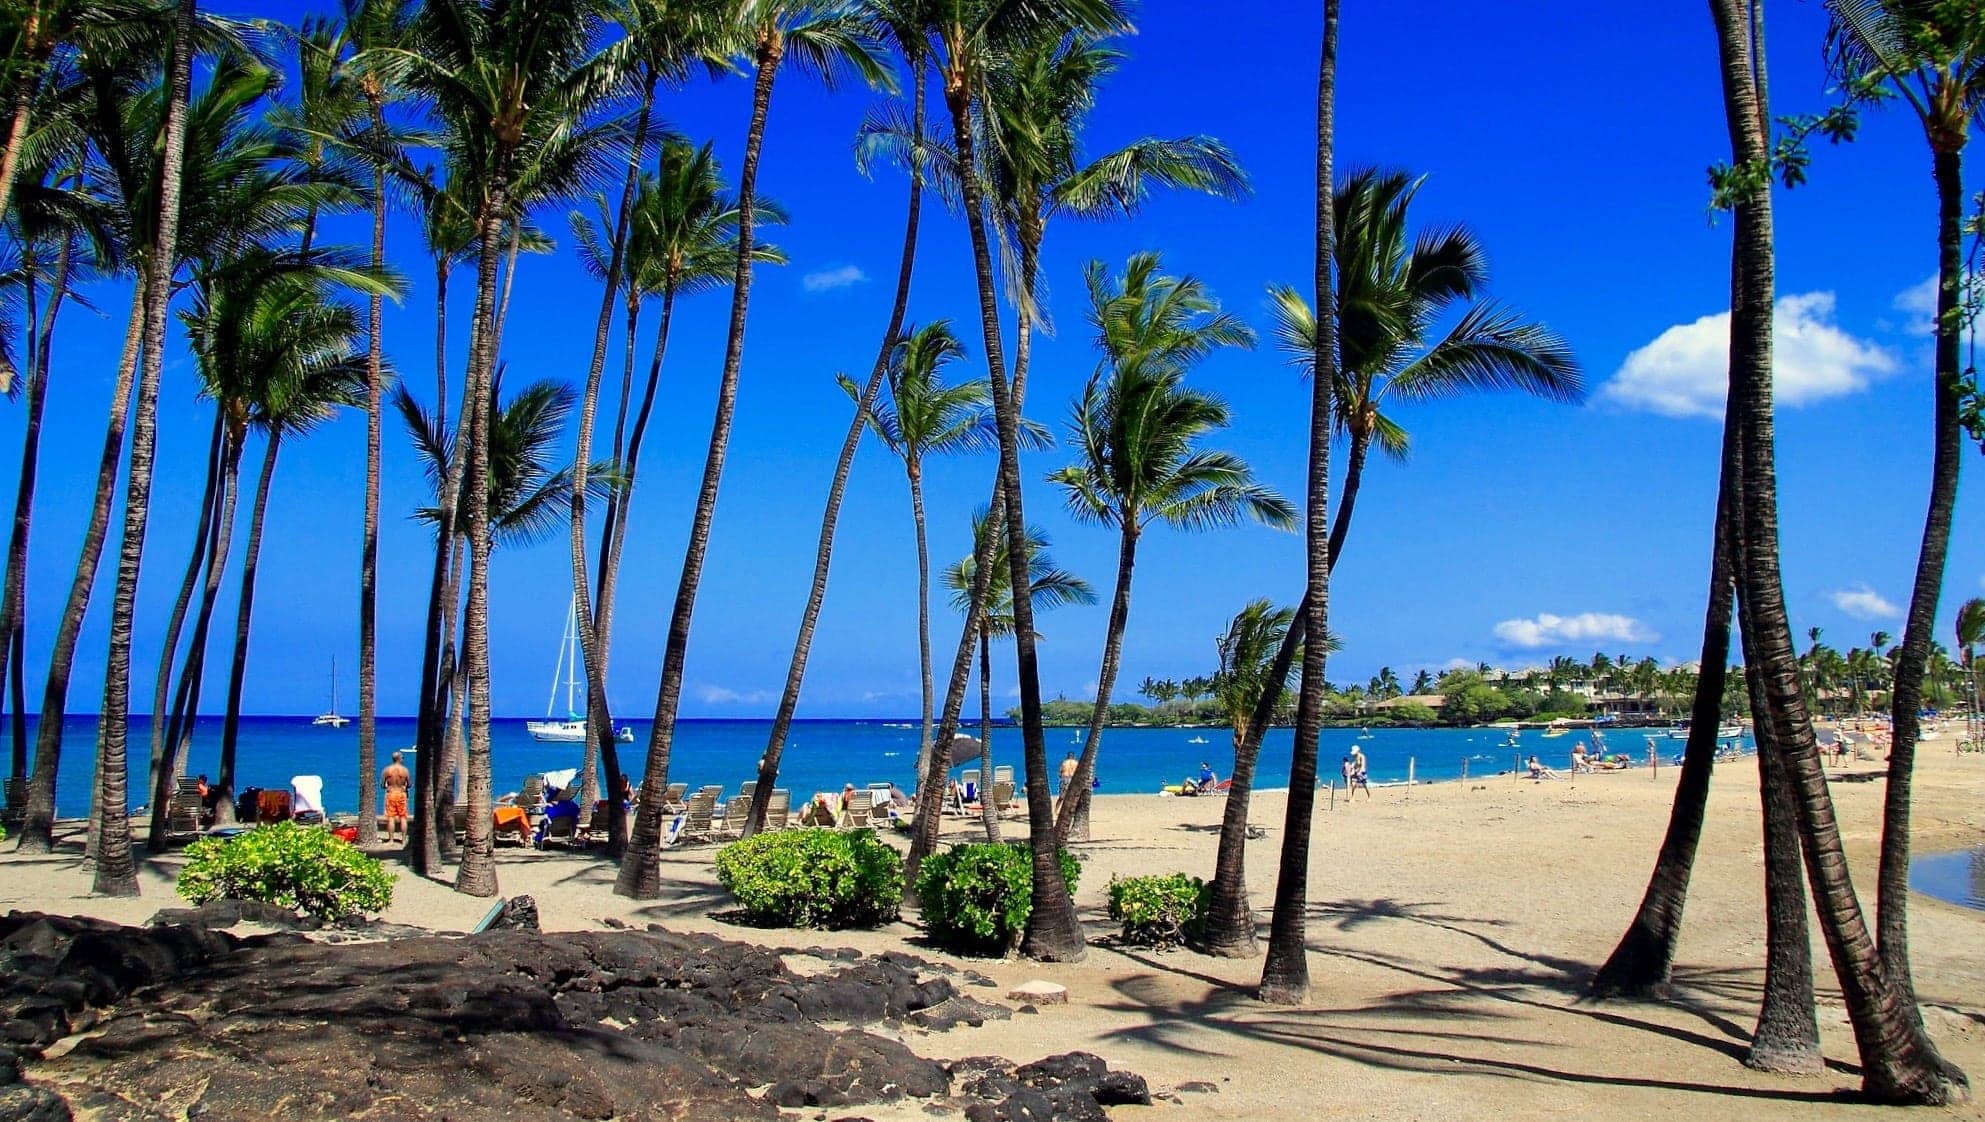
[824, 755]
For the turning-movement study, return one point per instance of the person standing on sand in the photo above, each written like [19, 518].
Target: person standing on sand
[397, 782]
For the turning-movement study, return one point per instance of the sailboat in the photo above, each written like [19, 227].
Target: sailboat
[331, 719]
[571, 730]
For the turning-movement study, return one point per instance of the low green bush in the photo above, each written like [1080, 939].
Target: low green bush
[291, 866]
[813, 878]
[976, 898]
[1162, 911]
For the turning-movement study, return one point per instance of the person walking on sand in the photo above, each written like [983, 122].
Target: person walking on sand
[397, 782]
[1355, 774]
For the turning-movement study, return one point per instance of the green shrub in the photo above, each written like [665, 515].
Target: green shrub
[976, 898]
[813, 878]
[1159, 911]
[292, 866]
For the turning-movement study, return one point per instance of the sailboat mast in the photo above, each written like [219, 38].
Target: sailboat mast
[572, 658]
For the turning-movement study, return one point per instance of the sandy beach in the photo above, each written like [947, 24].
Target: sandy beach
[1452, 929]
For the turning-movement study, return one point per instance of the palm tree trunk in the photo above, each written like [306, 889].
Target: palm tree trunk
[477, 876]
[368, 555]
[237, 675]
[1053, 932]
[18, 119]
[186, 699]
[921, 526]
[1354, 476]
[988, 810]
[1898, 1062]
[1638, 967]
[13, 600]
[599, 721]
[448, 778]
[1906, 694]
[1285, 977]
[509, 282]
[823, 556]
[589, 765]
[116, 874]
[640, 870]
[1072, 824]
[1786, 1038]
[204, 529]
[38, 826]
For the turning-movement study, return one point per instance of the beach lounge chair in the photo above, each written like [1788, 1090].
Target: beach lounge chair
[970, 781]
[563, 829]
[512, 824]
[1003, 773]
[1002, 796]
[779, 812]
[271, 806]
[673, 798]
[696, 818]
[182, 813]
[531, 799]
[855, 815]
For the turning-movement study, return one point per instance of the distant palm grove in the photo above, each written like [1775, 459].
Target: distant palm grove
[169, 163]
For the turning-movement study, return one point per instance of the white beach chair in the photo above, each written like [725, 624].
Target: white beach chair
[856, 815]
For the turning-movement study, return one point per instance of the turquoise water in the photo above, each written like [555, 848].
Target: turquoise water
[824, 755]
[1956, 877]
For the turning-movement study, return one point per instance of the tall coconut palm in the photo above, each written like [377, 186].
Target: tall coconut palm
[1395, 290]
[1137, 428]
[882, 133]
[1052, 587]
[661, 41]
[1898, 1061]
[971, 35]
[116, 874]
[1931, 57]
[1035, 104]
[513, 85]
[829, 40]
[1285, 977]
[927, 417]
[681, 239]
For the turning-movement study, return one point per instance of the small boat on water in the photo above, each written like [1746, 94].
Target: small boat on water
[1729, 732]
[1365, 735]
[571, 730]
[1555, 730]
[332, 719]
[1197, 740]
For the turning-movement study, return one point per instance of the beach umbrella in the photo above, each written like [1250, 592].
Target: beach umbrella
[965, 749]
[561, 779]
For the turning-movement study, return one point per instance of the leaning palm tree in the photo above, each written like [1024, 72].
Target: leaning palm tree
[681, 240]
[830, 40]
[1051, 587]
[927, 417]
[884, 133]
[1137, 428]
[1285, 976]
[116, 874]
[1930, 56]
[1034, 107]
[1898, 1061]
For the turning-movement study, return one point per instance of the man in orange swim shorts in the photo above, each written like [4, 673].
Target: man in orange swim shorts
[396, 780]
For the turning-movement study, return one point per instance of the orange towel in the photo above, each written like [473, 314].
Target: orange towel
[512, 818]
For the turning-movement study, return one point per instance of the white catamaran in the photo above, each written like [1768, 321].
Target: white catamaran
[331, 719]
[571, 730]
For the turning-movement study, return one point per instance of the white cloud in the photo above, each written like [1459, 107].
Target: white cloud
[1546, 630]
[1863, 602]
[724, 695]
[1685, 371]
[827, 280]
[1919, 302]
[1459, 664]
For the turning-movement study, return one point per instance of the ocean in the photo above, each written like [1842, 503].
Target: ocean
[822, 755]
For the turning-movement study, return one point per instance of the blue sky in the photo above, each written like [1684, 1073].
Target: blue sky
[1573, 140]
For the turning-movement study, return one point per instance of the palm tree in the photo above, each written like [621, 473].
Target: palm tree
[1898, 1061]
[116, 875]
[1050, 588]
[1034, 103]
[880, 136]
[513, 84]
[1392, 296]
[1137, 427]
[662, 40]
[1247, 659]
[1932, 57]
[926, 417]
[1970, 626]
[828, 40]
[1285, 975]
[681, 239]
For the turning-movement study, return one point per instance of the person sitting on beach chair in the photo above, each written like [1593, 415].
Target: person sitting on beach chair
[559, 806]
[818, 812]
[1540, 772]
[1580, 762]
[1206, 782]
